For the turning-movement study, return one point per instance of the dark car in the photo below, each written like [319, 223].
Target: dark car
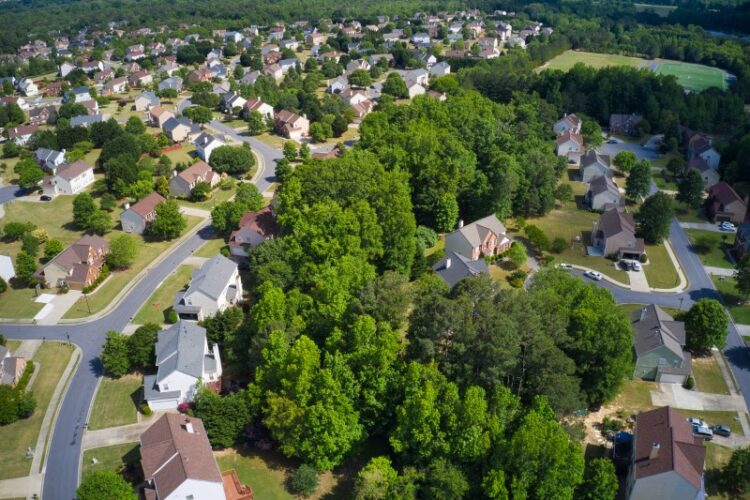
[44, 197]
[721, 430]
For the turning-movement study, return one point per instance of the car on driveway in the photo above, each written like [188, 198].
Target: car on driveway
[594, 275]
[727, 226]
[45, 197]
[703, 432]
[612, 141]
[697, 421]
[630, 265]
[721, 430]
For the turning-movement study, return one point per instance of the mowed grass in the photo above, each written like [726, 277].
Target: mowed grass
[50, 360]
[707, 375]
[154, 311]
[695, 77]
[635, 396]
[660, 272]
[709, 246]
[570, 58]
[114, 458]
[210, 248]
[734, 300]
[116, 402]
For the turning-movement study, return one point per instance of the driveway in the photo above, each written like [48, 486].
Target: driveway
[641, 152]
[638, 281]
[677, 396]
[703, 226]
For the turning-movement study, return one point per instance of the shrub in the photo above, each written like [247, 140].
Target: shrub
[689, 382]
[611, 424]
[304, 480]
[559, 245]
[517, 278]
[643, 258]
[426, 236]
[27, 373]
[183, 407]
[3, 285]
[172, 317]
[146, 409]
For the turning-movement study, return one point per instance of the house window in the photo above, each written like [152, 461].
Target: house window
[662, 361]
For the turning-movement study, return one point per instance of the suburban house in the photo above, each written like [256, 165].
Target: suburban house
[70, 178]
[205, 144]
[140, 79]
[659, 346]
[77, 266]
[213, 288]
[454, 267]
[183, 359]
[569, 144]
[697, 144]
[362, 109]
[202, 74]
[44, 115]
[253, 104]
[708, 174]
[173, 82]
[136, 217]
[182, 184]
[603, 194]
[667, 460]
[482, 237]
[77, 94]
[414, 89]
[7, 271]
[27, 87]
[21, 134]
[291, 125]
[255, 228]
[87, 120]
[115, 86]
[624, 124]
[180, 129]
[178, 463]
[146, 100]
[740, 248]
[568, 123]
[724, 204]
[49, 158]
[338, 84]
[440, 69]
[158, 116]
[230, 101]
[594, 165]
[614, 234]
[11, 367]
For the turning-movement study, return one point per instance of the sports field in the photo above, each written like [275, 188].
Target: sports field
[695, 77]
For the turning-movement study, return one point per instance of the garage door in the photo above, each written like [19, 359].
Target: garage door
[671, 378]
[165, 404]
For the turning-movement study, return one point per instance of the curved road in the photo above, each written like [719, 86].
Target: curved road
[64, 448]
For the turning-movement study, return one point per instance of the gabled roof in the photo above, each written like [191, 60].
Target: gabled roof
[147, 205]
[171, 454]
[614, 222]
[476, 232]
[569, 136]
[73, 170]
[592, 157]
[678, 450]
[212, 277]
[724, 193]
[571, 120]
[655, 328]
[197, 171]
[181, 347]
[603, 184]
[455, 267]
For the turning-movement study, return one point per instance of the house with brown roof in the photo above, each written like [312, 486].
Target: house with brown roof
[291, 125]
[70, 178]
[77, 266]
[255, 228]
[182, 184]
[136, 217]
[178, 462]
[115, 86]
[659, 346]
[21, 134]
[594, 165]
[667, 459]
[569, 144]
[140, 79]
[724, 204]
[44, 115]
[614, 234]
[255, 104]
[202, 74]
[11, 367]
[158, 116]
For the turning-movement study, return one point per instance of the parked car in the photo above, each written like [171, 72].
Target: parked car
[564, 266]
[697, 422]
[703, 432]
[594, 275]
[727, 226]
[612, 141]
[44, 197]
[630, 265]
[721, 430]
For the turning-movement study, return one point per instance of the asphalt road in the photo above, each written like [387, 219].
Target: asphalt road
[700, 286]
[9, 193]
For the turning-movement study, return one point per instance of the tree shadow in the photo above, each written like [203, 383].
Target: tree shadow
[137, 397]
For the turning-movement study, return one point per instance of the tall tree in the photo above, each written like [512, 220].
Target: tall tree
[654, 217]
[169, 223]
[625, 161]
[599, 481]
[115, 355]
[706, 325]
[104, 484]
[690, 189]
[638, 182]
[123, 250]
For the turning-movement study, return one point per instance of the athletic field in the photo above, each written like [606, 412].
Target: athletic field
[695, 77]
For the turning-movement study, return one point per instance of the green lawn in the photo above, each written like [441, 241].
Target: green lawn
[12, 345]
[707, 375]
[210, 248]
[50, 360]
[19, 303]
[570, 58]
[273, 140]
[102, 296]
[709, 247]
[660, 272]
[729, 418]
[687, 214]
[634, 397]
[733, 299]
[183, 155]
[161, 300]
[116, 402]
[664, 180]
[217, 196]
[118, 458]
[266, 476]
[695, 77]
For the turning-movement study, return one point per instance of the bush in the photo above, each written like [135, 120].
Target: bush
[643, 258]
[611, 424]
[183, 407]
[558, 245]
[27, 373]
[304, 480]
[426, 236]
[14, 231]
[517, 279]
[98, 281]
[146, 409]
[172, 317]
[3, 285]
[689, 382]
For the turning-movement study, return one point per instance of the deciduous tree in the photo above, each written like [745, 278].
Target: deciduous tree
[706, 325]
[169, 223]
[654, 217]
[104, 484]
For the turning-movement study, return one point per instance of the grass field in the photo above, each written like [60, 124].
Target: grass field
[116, 402]
[116, 458]
[161, 300]
[50, 359]
[708, 377]
[733, 299]
[709, 246]
[660, 271]
[695, 77]
[210, 248]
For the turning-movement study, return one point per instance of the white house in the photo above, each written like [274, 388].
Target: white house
[146, 100]
[183, 358]
[569, 144]
[205, 144]
[213, 288]
[414, 89]
[27, 87]
[266, 110]
[69, 179]
[230, 101]
[440, 69]
[568, 123]
[177, 460]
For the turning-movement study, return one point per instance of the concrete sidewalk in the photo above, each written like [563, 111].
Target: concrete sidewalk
[23, 487]
[719, 271]
[703, 226]
[60, 305]
[677, 396]
[28, 348]
[118, 435]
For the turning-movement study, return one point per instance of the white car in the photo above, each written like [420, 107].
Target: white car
[564, 266]
[727, 226]
[594, 275]
[697, 422]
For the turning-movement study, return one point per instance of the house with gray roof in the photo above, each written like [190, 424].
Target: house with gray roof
[49, 158]
[614, 234]
[603, 194]
[213, 288]
[173, 82]
[454, 267]
[482, 237]
[594, 165]
[146, 100]
[659, 346]
[86, 120]
[183, 358]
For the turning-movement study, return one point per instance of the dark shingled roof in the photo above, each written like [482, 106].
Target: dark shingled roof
[654, 328]
[460, 267]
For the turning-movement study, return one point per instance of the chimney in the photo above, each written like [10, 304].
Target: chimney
[174, 173]
[643, 314]
[654, 451]
[448, 263]
[460, 223]
[127, 206]
[189, 428]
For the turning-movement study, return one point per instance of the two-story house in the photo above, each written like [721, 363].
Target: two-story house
[182, 184]
[255, 228]
[568, 123]
[291, 125]
[603, 194]
[482, 237]
[659, 346]
[614, 234]
[724, 204]
[570, 145]
[213, 288]
[70, 178]
[11, 367]
[205, 145]
[136, 217]
[77, 266]
[594, 165]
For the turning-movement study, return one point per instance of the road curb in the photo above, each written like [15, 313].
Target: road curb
[86, 427]
[604, 276]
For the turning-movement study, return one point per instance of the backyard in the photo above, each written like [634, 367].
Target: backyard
[116, 402]
[160, 302]
[50, 360]
[570, 58]
[119, 458]
[709, 245]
